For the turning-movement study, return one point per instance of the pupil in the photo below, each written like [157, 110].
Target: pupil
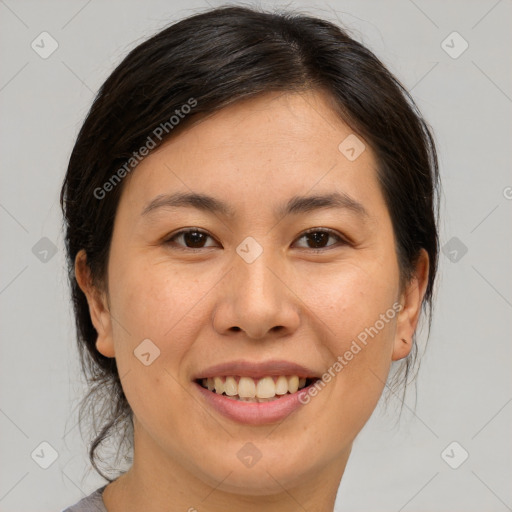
[319, 237]
[193, 238]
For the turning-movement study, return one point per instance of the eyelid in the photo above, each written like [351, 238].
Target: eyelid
[332, 232]
[169, 239]
[343, 240]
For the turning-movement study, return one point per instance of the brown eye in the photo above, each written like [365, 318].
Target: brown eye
[317, 239]
[190, 239]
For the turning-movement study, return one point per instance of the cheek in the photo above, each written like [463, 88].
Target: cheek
[152, 302]
[154, 299]
[355, 304]
[350, 298]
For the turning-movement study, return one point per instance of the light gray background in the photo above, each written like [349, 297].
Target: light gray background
[464, 385]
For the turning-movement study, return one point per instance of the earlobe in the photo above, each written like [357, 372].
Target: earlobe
[411, 301]
[98, 308]
[401, 349]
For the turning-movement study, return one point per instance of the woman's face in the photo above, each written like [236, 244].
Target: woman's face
[248, 287]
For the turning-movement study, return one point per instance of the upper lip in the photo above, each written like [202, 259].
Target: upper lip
[256, 370]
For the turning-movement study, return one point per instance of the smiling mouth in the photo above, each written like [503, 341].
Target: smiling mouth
[247, 389]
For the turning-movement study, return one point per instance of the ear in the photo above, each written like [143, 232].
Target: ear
[411, 299]
[98, 306]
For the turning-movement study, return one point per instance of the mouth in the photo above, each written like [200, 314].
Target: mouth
[256, 390]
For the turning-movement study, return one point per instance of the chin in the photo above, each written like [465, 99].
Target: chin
[274, 471]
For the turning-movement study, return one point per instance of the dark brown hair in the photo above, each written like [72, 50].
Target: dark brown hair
[217, 58]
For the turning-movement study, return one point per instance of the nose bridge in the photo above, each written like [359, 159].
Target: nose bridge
[256, 283]
[255, 300]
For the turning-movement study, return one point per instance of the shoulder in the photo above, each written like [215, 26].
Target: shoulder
[91, 503]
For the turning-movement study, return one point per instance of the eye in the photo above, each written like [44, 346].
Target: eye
[195, 238]
[319, 238]
[192, 238]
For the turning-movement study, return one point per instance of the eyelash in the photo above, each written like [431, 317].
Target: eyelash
[330, 232]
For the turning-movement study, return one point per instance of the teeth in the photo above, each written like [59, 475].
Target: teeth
[249, 390]
[246, 388]
[293, 384]
[266, 388]
[282, 385]
[231, 387]
[219, 385]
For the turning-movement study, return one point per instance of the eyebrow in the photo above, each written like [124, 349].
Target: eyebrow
[296, 205]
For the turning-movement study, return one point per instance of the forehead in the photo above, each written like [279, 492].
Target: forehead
[274, 145]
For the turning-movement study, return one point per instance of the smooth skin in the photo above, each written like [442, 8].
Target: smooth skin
[304, 299]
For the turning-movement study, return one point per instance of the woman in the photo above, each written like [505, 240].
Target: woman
[251, 209]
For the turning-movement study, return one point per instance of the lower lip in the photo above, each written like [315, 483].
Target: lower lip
[254, 413]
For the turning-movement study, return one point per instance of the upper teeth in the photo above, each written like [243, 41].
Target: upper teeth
[246, 387]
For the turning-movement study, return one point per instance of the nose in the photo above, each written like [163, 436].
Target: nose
[256, 299]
